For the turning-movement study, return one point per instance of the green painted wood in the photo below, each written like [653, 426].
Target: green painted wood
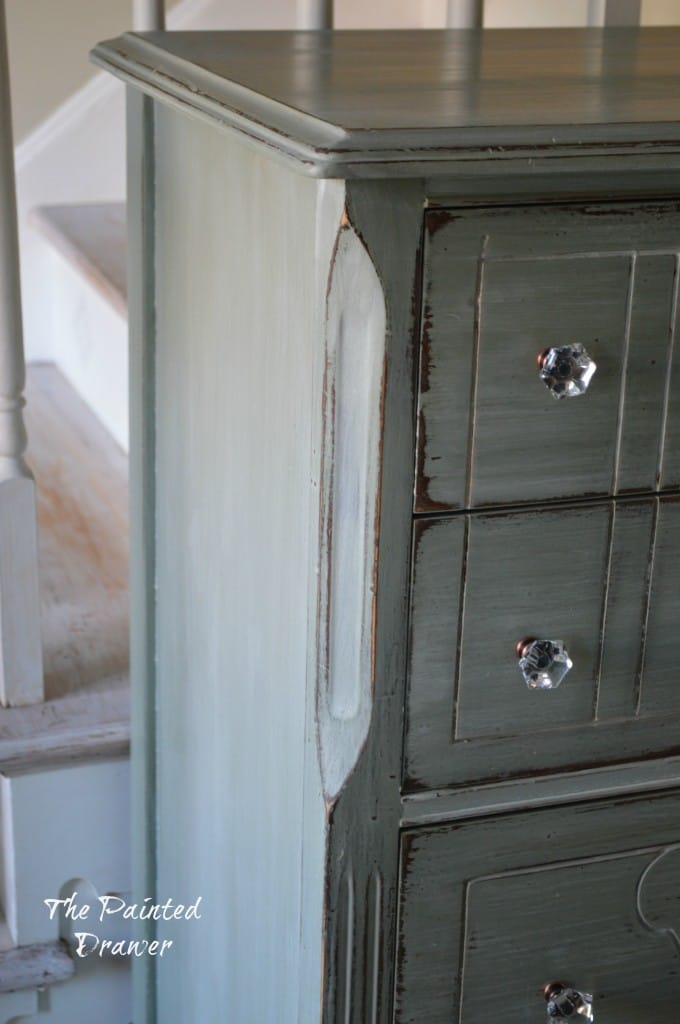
[239, 316]
[362, 866]
[483, 582]
[659, 662]
[367, 104]
[142, 334]
[490, 911]
[276, 332]
[501, 285]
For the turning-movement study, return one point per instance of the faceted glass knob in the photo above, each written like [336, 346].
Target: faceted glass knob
[566, 1002]
[543, 663]
[566, 371]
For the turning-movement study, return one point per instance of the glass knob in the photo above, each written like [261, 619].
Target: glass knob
[566, 371]
[564, 1001]
[543, 663]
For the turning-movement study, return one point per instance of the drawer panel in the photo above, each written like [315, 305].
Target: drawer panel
[501, 286]
[602, 578]
[493, 910]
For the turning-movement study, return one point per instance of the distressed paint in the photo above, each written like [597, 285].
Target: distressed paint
[364, 817]
[277, 783]
[232, 687]
[509, 903]
[353, 382]
[582, 575]
[411, 103]
[501, 285]
[35, 966]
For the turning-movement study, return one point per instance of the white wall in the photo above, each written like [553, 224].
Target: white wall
[48, 46]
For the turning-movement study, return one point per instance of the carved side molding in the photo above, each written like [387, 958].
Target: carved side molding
[658, 895]
[350, 479]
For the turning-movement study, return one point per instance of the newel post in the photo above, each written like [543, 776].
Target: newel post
[21, 673]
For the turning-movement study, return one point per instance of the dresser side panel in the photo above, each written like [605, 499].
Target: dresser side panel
[241, 267]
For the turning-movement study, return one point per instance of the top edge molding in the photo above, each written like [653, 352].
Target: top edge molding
[398, 103]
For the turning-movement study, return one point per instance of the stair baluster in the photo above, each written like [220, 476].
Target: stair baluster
[315, 14]
[21, 672]
[465, 13]
[148, 15]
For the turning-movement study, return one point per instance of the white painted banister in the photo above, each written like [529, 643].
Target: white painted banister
[614, 12]
[148, 15]
[315, 14]
[465, 13]
[21, 673]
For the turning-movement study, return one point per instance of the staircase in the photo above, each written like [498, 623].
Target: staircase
[85, 248]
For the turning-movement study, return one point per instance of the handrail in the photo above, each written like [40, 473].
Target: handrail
[21, 671]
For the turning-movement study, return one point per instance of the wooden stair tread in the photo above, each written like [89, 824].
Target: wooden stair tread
[81, 478]
[94, 237]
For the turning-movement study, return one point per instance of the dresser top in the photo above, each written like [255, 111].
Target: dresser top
[396, 103]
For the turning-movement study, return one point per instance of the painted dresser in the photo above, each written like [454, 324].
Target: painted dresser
[406, 467]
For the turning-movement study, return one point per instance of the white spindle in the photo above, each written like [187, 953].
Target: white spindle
[465, 13]
[21, 675]
[614, 12]
[148, 15]
[315, 14]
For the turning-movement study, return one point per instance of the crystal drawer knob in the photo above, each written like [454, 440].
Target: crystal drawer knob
[543, 663]
[566, 371]
[566, 1002]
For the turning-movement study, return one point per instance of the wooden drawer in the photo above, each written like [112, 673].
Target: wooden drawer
[603, 578]
[501, 286]
[492, 910]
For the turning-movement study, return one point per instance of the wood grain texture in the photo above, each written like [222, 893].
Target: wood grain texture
[406, 103]
[35, 966]
[82, 517]
[142, 334]
[474, 801]
[93, 236]
[83, 520]
[506, 904]
[580, 575]
[238, 372]
[364, 818]
[501, 285]
[353, 381]
[274, 496]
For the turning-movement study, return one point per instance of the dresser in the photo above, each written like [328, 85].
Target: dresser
[406, 523]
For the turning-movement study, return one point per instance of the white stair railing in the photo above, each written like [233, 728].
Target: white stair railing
[148, 15]
[465, 13]
[315, 14]
[21, 671]
[614, 12]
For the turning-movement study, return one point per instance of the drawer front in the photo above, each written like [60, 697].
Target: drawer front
[604, 579]
[492, 911]
[500, 287]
